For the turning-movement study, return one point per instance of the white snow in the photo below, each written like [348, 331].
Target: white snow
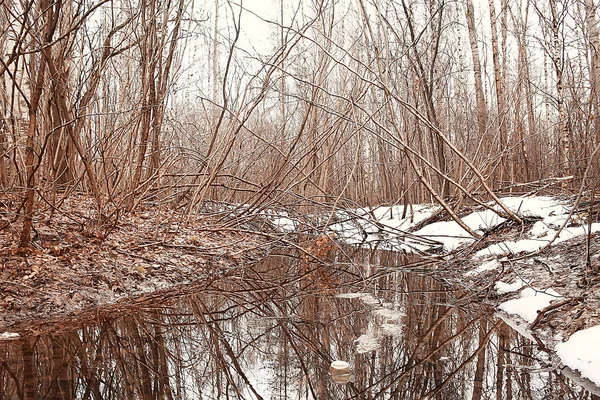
[582, 353]
[384, 225]
[553, 213]
[530, 302]
[9, 336]
[488, 266]
[350, 295]
[539, 206]
[503, 287]
[369, 299]
[481, 221]
[544, 235]
[452, 235]
[449, 233]
[391, 329]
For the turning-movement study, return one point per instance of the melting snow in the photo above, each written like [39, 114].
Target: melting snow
[488, 266]
[503, 287]
[9, 336]
[369, 299]
[581, 352]
[385, 225]
[350, 295]
[390, 329]
[449, 233]
[540, 207]
[530, 302]
[389, 315]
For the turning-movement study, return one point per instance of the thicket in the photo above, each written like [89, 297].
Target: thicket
[334, 104]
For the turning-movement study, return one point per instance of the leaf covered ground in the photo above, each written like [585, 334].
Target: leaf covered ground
[74, 264]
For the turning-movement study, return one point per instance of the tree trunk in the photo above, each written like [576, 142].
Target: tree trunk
[37, 78]
[500, 99]
[482, 115]
[564, 136]
[594, 49]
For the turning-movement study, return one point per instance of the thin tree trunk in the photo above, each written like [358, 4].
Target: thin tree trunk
[500, 99]
[480, 366]
[482, 114]
[594, 49]
[564, 136]
[37, 78]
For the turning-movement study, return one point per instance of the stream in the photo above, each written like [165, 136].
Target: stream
[272, 330]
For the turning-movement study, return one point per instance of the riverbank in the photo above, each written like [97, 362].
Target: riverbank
[552, 297]
[73, 266]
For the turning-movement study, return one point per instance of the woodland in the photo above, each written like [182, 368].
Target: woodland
[151, 149]
[219, 113]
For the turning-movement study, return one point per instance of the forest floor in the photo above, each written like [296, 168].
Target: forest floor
[73, 265]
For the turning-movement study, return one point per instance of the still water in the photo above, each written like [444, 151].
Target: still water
[272, 330]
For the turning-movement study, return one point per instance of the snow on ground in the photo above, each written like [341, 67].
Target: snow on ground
[367, 343]
[544, 235]
[582, 353]
[381, 223]
[503, 287]
[530, 302]
[388, 314]
[452, 235]
[487, 266]
[537, 206]
[385, 225]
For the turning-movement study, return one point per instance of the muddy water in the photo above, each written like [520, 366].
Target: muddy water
[271, 331]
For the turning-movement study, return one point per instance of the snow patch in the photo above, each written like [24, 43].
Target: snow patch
[449, 233]
[530, 302]
[488, 266]
[540, 207]
[390, 329]
[388, 314]
[369, 299]
[582, 353]
[350, 295]
[9, 336]
[503, 287]
[482, 221]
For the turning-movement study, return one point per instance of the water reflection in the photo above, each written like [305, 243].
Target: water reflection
[271, 331]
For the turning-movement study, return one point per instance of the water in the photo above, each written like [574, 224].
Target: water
[272, 330]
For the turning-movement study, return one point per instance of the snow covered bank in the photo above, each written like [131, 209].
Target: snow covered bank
[400, 229]
[393, 227]
[582, 353]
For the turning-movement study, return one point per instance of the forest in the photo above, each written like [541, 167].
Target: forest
[293, 105]
[229, 198]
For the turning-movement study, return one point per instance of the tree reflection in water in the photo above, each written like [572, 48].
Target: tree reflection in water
[270, 331]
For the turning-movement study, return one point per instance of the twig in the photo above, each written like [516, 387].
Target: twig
[553, 306]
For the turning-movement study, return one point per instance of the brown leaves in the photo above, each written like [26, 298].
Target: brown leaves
[71, 265]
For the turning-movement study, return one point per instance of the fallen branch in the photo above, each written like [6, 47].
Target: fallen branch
[553, 306]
